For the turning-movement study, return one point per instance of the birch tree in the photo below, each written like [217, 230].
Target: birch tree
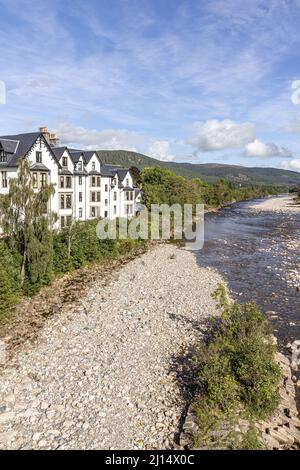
[24, 219]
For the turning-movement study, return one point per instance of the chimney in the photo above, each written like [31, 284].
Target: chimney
[50, 137]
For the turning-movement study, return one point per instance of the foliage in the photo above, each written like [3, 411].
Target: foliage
[236, 369]
[25, 220]
[78, 245]
[250, 441]
[162, 186]
[9, 279]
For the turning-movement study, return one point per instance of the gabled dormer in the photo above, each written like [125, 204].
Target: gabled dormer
[65, 160]
[93, 162]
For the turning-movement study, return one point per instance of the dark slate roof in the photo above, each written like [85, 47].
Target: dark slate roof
[95, 172]
[80, 172]
[8, 145]
[58, 151]
[108, 170]
[76, 154]
[64, 171]
[21, 145]
[39, 167]
[88, 154]
[25, 142]
[122, 173]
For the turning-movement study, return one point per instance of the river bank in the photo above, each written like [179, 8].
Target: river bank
[109, 372]
[111, 369]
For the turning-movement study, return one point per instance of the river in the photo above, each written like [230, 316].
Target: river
[257, 253]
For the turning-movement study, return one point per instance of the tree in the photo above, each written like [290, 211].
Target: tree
[24, 218]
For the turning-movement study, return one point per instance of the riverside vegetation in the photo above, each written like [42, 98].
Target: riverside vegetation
[237, 376]
[236, 370]
[33, 254]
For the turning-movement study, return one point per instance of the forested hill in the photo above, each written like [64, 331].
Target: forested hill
[209, 172]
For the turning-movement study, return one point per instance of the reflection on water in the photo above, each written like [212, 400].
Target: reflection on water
[258, 256]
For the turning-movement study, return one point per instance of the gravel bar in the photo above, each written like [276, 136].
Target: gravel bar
[104, 375]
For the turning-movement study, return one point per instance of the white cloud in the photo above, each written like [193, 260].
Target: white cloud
[109, 139]
[257, 148]
[161, 150]
[219, 135]
[293, 165]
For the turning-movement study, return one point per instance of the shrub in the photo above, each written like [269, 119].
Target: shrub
[250, 441]
[237, 368]
[9, 279]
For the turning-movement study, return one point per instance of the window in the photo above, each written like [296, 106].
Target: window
[127, 181]
[62, 222]
[80, 166]
[105, 213]
[115, 210]
[115, 196]
[93, 181]
[65, 162]
[69, 220]
[93, 211]
[68, 182]
[80, 197]
[3, 156]
[80, 181]
[98, 196]
[93, 166]
[106, 187]
[4, 179]
[106, 202]
[129, 196]
[35, 180]
[80, 212]
[114, 182]
[68, 201]
[43, 179]
[98, 181]
[38, 157]
[62, 182]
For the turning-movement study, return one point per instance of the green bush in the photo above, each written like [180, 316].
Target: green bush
[251, 441]
[162, 186]
[9, 278]
[237, 368]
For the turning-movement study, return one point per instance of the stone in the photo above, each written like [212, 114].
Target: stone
[293, 431]
[271, 442]
[281, 436]
[7, 437]
[7, 417]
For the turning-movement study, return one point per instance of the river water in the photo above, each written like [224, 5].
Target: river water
[257, 253]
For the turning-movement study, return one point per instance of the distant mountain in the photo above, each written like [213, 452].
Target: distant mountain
[209, 172]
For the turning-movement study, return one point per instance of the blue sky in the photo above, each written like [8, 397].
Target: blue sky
[192, 80]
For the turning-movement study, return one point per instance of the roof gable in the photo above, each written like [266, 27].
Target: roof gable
[22, 144]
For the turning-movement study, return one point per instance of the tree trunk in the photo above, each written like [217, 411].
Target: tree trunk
[23, 267]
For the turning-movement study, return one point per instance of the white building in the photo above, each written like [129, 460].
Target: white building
[85, 188]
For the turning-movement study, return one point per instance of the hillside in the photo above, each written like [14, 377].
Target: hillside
[209, 172]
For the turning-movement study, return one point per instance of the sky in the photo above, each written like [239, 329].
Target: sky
[179, 80]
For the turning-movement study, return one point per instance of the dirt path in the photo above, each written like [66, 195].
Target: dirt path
[105, 374]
